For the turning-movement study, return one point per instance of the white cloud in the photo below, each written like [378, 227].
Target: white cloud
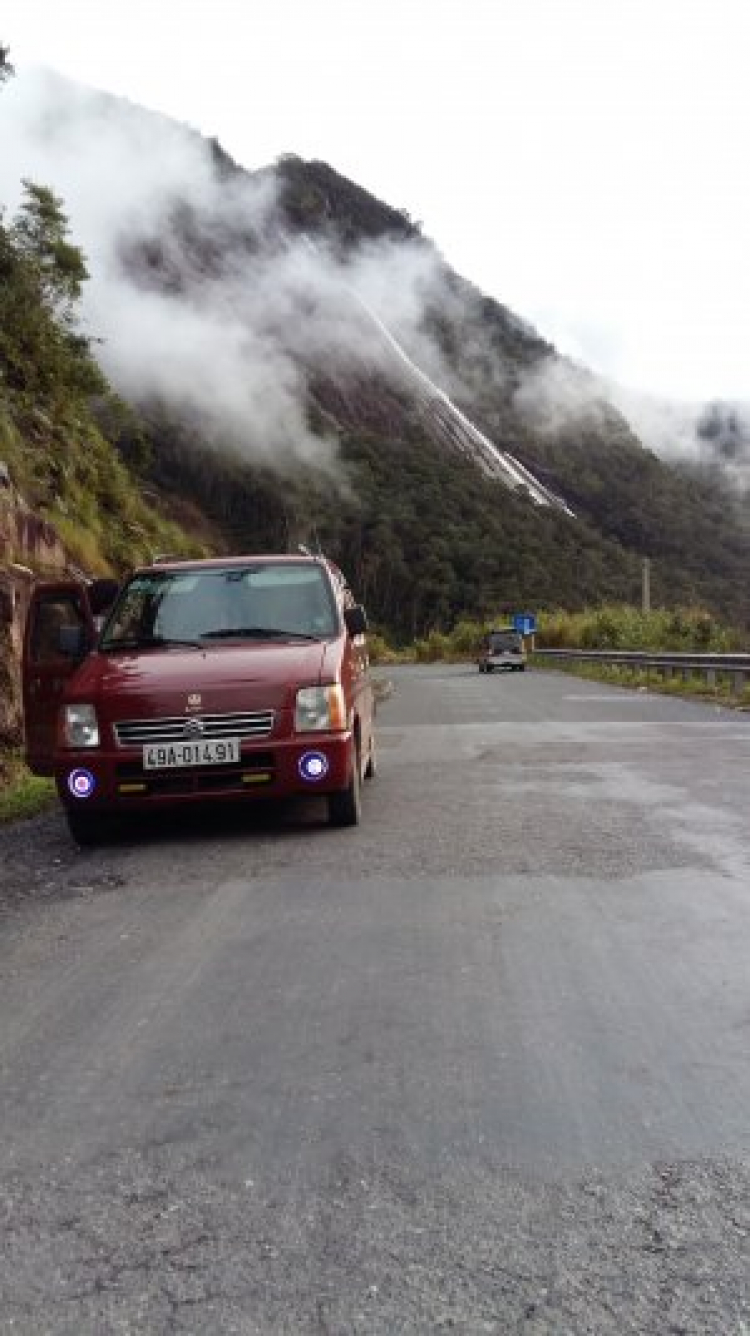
[230, 349]
[582, 162]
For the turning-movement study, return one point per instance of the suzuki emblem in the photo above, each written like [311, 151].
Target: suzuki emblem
[194, 701]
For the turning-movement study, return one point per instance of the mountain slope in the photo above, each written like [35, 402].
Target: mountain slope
[431, 537]
[302, 365]
[58, 416]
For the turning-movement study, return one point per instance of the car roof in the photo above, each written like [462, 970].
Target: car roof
[222, 563]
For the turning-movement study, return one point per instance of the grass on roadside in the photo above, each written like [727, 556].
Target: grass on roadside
[619, 626]
[692, 687]
[21, 793]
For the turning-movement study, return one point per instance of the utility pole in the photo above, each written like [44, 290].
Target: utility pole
[646, 585]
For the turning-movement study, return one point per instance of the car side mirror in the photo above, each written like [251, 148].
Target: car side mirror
[101, 595]
[355, 619]
[72, 642]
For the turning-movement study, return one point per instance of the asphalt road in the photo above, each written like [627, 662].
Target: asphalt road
[481, 1065]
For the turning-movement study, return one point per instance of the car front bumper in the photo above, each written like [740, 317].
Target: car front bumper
[505, 661]
[115, 780]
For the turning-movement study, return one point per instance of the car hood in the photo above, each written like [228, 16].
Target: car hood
[210, 680]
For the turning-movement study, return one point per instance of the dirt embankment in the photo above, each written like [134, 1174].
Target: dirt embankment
[9, 693]
[14, 588]
[29, 546]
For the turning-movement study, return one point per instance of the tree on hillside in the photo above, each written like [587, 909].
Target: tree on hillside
[40, 233]
[43, 356]
[6, 69]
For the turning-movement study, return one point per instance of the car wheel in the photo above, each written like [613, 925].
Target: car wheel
[371, 769]
[87, 828]
[345, 807]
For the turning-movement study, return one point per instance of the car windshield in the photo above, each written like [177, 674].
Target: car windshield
[222, 605]
[500, 640]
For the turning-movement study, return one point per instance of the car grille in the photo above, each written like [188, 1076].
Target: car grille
[141, 732]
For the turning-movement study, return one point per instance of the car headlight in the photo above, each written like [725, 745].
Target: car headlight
[80, 727]
[320, 709]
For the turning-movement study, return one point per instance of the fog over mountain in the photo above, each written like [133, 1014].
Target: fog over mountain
[235, 321]
[560, 395]
[239, 321]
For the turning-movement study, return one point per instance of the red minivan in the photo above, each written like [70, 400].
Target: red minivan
[207, 681]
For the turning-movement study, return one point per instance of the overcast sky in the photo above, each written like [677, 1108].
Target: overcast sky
[584, 161]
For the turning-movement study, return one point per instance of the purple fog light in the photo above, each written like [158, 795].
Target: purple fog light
[313, 766]
[81, 783]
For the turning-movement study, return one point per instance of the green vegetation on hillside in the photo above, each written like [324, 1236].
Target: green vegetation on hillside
[623, 627]
[54, 399]
[422, 536]
[694, 529]
[314, 196]
[427, 541]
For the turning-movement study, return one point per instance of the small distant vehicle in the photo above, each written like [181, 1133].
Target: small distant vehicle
[502, 648]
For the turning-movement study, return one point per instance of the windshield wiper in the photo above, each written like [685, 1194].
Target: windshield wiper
[256, 633]
[148, 642]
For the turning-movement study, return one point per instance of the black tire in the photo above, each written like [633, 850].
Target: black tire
[88, 828]
[371, 769]
[345, 807]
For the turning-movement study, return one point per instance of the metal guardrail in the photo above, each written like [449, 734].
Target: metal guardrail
[734, 666]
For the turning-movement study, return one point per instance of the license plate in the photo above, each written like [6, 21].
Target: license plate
[173, 755]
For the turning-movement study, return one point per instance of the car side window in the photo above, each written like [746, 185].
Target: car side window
[50, 617]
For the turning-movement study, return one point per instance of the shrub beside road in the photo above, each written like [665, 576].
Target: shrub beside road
[21, 793]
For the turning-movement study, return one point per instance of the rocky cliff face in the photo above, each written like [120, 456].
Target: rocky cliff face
[11, 623]
[25, 537]
[29, 546]
[10, 713]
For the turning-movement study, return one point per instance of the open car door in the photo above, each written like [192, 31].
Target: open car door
[62, 606]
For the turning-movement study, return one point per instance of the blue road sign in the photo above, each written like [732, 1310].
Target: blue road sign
[525, 622]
